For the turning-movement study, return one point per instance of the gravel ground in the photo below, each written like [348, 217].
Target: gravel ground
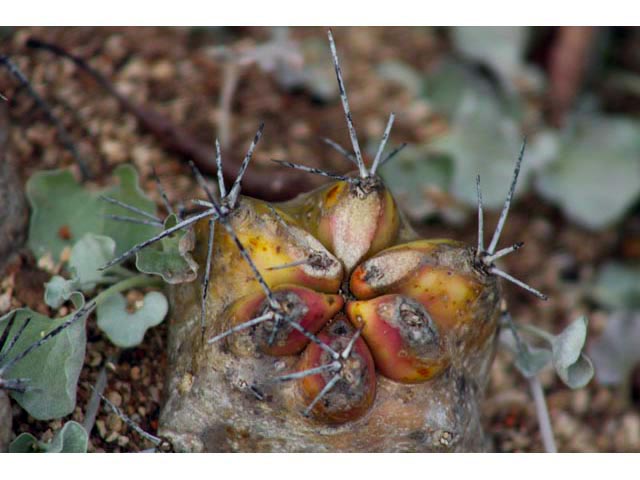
[176, 72]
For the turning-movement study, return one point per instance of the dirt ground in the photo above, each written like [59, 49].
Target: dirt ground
[175, 71]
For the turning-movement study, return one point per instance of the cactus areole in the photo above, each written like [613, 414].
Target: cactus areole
[324, 324]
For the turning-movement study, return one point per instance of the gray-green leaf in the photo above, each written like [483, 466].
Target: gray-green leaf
[53, 368]
[483, 140]
[170, 257]
[58, 290]
[572, 366]
[412, 175]
[529, 360]
[597, 175]
[71, 438]
[63, 211]
[617, 351]
[617, 286]
[126, 329]
[87, 256]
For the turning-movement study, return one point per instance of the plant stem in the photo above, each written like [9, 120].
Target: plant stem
[546, 432]
[141, 280]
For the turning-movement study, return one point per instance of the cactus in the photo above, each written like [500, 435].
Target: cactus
[325, 324]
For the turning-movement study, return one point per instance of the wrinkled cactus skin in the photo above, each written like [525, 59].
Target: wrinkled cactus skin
[222, 397]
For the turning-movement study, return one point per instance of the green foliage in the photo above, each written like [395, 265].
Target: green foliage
[87, 256]
[564, 351]
[52, 369]
[170, 257]
[617, 286]
[72, 438]
[590, 167]
[410, 175]
[617, 351]
[63, 211]
[595, 177]
[126, 329]
[573, 367]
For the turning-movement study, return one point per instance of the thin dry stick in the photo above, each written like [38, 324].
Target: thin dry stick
[546, 432]
[277, 185]
[64, 136]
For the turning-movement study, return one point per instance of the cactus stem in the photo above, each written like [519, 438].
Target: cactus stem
[507, 203]
[383, 143]
[163, 194]
[131, 208]
[521, 284]
[347, 111]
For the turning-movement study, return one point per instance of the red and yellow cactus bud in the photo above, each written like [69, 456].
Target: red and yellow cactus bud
[310, 309]
[440, 274]
[350, 388]
[272, 240]
[402, 337]
[353, 221]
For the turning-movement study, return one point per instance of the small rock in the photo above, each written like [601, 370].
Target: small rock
[135, 373]
[102, 428]
[114, 423]
[115, 398]
[123, 441]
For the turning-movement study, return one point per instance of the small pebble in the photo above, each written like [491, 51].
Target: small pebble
[115, 398]
[134, 374]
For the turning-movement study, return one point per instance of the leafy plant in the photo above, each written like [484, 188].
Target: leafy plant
[589, 167]
[71, 438]
[563, 351]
